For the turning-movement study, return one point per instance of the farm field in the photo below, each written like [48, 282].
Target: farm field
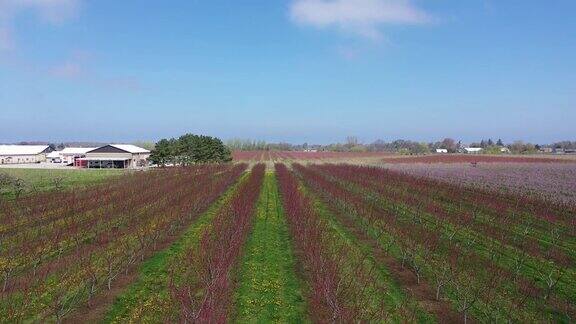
[549, 181]
[477, 158]
[391, 159]
[291, 243]
[38, 180]
[287, 156]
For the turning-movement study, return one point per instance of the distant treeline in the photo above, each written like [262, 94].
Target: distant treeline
[190, 149]
[253, 145]
[400, 146]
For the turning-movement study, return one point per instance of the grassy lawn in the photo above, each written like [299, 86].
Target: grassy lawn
[35, 180]
[148, 298]
[268, 288]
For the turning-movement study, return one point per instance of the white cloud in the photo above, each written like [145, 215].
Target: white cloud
[48, 11]
[358, 17]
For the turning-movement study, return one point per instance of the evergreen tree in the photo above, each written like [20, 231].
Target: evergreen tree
[162, 153]
[190, 149]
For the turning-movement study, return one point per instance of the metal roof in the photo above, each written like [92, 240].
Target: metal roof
[22, 149]
[76, 150]
[130, 148]
[126, 147]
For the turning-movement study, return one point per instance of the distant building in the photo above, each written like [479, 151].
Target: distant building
[559, 151]
[564, 151]
[54, 157]
[15, 154]
[504, 150]
[546, 150]
[68, 155]
[441, 150]
[117, 156]
[472, 150]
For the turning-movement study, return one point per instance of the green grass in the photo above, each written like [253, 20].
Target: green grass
[268, 289]
[148, 298]
[36, 180]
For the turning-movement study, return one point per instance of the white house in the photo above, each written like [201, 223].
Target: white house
[440, 150]
[472, 150]
[115, 156]
[15, 154]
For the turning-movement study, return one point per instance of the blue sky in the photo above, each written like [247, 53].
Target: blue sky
[293, 70]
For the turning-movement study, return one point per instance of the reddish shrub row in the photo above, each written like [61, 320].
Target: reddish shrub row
[461, 208]
[59, 234]
[43, 208]
[500, 203]
[449, 158]
[453, 265]
[86, 254]
[327, 300]
[299, 155]
[203, 287]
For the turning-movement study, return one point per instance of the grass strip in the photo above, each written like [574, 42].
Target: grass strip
[268, 288]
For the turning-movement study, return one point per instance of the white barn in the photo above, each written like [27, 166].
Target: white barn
[17, 154]
[440, 150]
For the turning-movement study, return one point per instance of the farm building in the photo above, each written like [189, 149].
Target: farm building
[54, 157]
[114, 156]
[69, 154]
[15, 154]
[564, 151]
[441, 151]
[472, 150]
